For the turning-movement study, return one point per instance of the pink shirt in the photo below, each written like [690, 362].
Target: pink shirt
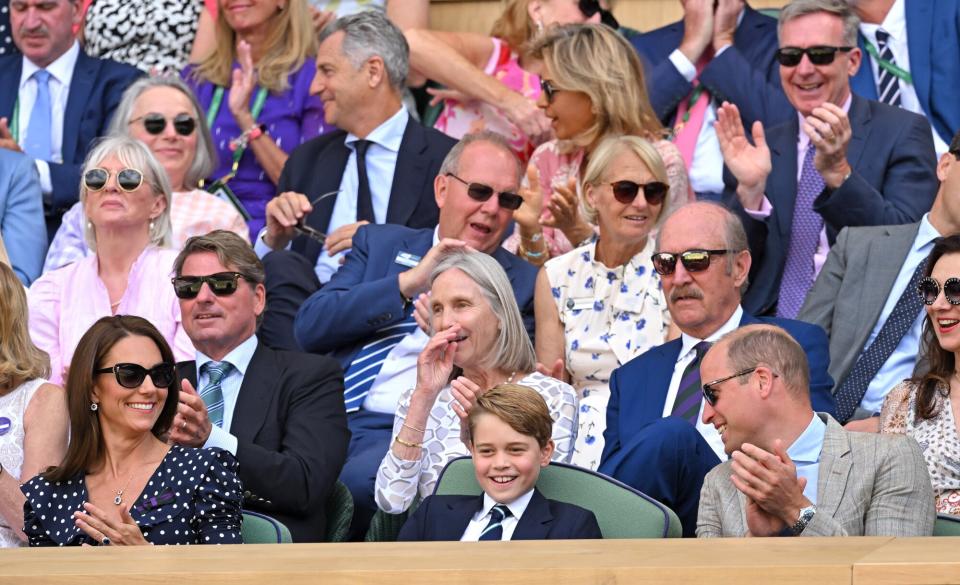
[64, 303]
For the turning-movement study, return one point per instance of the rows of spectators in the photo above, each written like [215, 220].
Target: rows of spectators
[241, 264]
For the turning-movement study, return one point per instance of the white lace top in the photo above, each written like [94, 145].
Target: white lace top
[13, 405]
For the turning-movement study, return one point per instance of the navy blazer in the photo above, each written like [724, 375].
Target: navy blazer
[364, 294]
[447, 518]
[292, 436]
[316, 167]
[933, 39]
[894, 182]
[638, 388]
[95, 91]
[740, 73]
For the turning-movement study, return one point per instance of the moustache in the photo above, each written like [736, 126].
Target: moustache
[39, 31]
[690, 292]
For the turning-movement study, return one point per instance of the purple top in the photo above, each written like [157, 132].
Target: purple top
[291, 118]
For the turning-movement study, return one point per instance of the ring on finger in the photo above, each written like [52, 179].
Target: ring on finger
[183, 425]
[105, 541]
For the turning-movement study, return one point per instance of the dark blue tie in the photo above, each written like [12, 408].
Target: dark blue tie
[494, 529]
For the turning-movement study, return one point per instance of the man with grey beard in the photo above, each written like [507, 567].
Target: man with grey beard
[656, 440]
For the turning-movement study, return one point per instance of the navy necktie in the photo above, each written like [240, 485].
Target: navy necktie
[494, 529]
[888, 86]
[364, 199]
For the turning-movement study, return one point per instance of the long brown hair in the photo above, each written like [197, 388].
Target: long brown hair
[20, 359]
[86, 449]
[514, 26]
[935, 384]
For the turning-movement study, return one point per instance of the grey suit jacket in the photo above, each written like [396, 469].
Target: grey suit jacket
[869, 485]
[849, 294]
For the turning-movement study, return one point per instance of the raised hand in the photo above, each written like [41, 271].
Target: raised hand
[243, 82]
[750, 163]
[770, 481]
[829, 130]
[191, 425]
[6, 138]
[697, 28]
[435, 362]
[283, 213]
[465, 393]
[422, 313]
[417, 280]
[527, 215]
[725, 22]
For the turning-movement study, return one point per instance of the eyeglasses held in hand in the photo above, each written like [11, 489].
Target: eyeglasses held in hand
[710, 388]
[221, 284]
[626, 191]
[929, 290]
[312, 233]
[132, 375]
[665, 263]
[127, 179]
[154, 123]
[481, 192]
[818, 55]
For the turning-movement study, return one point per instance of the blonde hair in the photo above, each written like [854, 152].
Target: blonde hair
[595, 60]
[4, 257]
[20, 359]
[514, 25]
[602, 159]
[290, 43]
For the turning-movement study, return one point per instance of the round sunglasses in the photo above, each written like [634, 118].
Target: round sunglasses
[481, 192]
[127, 179]
[154, 123]
[626, 191]
[665, 263]
[221, 284]
[929, 290]
[818, 55]
[132, 375]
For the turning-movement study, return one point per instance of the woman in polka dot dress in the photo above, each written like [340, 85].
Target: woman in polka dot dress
[120, 483]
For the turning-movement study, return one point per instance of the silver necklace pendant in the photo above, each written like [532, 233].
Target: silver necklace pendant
[119, 499]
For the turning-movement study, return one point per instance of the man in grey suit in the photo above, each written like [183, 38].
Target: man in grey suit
[793, 471]
[865, 299]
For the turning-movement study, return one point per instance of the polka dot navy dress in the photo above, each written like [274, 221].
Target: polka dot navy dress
[192, 498]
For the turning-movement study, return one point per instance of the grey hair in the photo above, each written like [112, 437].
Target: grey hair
[754, 345]
[136, 155]
[513, 350]
[839, 8]
[205, 159]
[369, 33]
[451, 163]
[602, 159]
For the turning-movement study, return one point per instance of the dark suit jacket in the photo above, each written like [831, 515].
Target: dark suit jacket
[739, 74]
[364, 294]
[316, 167]
[447, 517]
[638, 388]
[933, 39]
[893, 182]
[292, 436]
[95, 91]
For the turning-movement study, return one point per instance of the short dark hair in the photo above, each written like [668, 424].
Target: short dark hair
[519, 406]
[231, 250]
[955, 146]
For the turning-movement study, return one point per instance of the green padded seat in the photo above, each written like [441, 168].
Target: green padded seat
[262, 529]
[947, 525]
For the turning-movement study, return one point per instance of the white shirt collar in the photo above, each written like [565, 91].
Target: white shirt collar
[388, 135]
[239, 357]
[926, 234]
[516, 507]
[61, 69]
[688, 341]
[895, 23]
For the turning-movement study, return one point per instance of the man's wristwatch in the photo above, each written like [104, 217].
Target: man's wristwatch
[804, 518]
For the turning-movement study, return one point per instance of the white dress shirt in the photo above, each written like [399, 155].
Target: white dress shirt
[381, 162]
[239, 358]
[61, 74]
[895, 24]
[482, 517]
[687, 353]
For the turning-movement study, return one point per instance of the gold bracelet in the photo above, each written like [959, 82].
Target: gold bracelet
[413, 428]
[408, 443]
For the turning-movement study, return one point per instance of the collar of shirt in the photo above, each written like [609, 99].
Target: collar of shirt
[807, 447]
[803, 140]
[925, 235]
[688, 341]
[388, 135]
[61, 69]
[516, 507]
[895, 23]
[239, 357]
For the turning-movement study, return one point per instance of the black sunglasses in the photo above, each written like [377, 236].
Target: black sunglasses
[127, 179]
[665, 263]
[481, 192]
[132, 375]
[221, 284]
[710, 388]
[626, 191]
[548, 89]
[818, 55]
[153, 123]
[929, 290]
[590, 7]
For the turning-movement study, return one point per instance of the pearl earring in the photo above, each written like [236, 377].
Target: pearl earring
[94, 406]
[152, 224]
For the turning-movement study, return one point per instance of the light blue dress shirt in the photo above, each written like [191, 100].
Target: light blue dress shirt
[230, 386]
[899, 366]
[805, 454]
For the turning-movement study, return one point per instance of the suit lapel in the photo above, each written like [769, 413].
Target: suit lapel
[919, 14]
[409, 175]
[885, 257]
[10, 81]
[783, 180]
[81, 88]
[649, 402]
[536, 520]
[859, 116]
[459, 512]
[835, 462]
[256, 392]
[334, 158]
[862, 83]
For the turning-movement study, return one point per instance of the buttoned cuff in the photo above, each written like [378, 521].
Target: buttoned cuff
[684, 67]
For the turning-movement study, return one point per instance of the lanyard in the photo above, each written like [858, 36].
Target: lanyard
[894, 70]
[15, 121]
[694, 96]
[255, 112]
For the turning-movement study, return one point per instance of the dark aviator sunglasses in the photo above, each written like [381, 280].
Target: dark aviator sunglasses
[665, 263]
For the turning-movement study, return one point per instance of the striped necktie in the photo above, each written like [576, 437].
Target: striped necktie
[494, 529]
[38, 143]
[888, 86]
[689, 392]
[212, 393]
[363, 370]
